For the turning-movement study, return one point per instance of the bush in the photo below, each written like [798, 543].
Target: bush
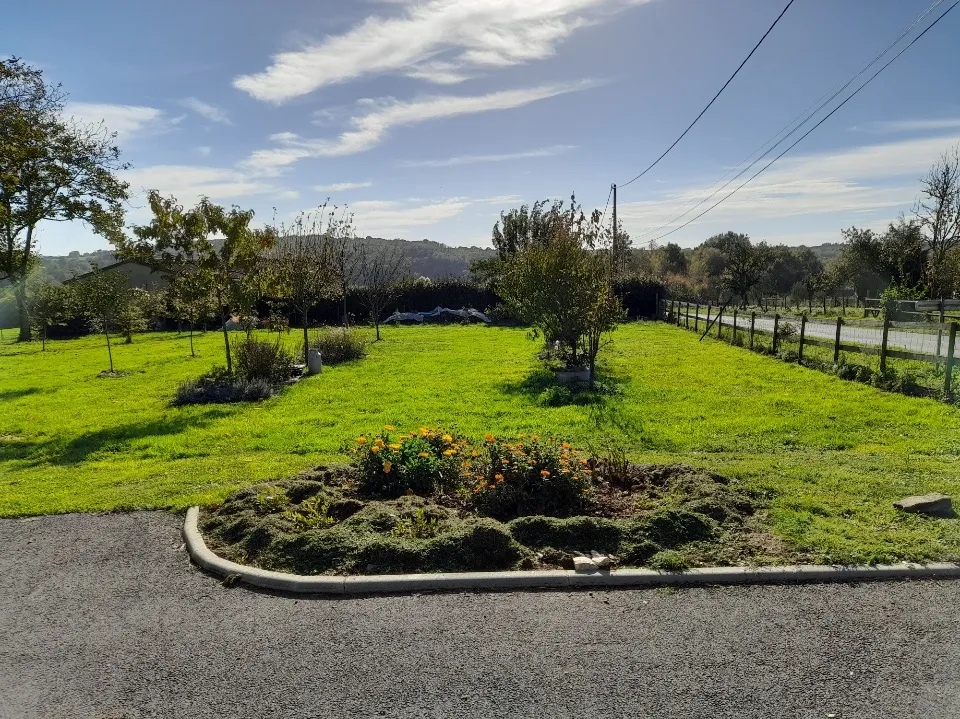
[528, 478]
[337, 345]
[256, 360]
[425, 463]
[669, 560]
[213, 390]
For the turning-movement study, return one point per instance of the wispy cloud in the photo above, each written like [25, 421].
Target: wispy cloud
[206, 110]
[862, 184]
[342, 186]
[190, 182]
[441, 41]
[927, 125]
[204, 150]
[400, 219]
[369, 129]
[477, 159]
[125, 120]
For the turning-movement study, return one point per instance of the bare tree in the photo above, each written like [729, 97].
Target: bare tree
[307, 257]
[379, 271]
[938, 214]
[347, 255]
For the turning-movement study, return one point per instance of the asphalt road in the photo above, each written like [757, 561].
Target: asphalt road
[103, 616]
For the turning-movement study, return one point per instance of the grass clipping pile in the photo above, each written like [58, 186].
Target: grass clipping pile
[430, 501]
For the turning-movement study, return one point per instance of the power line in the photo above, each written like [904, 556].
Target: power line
[807, 114]
[729, 80]
[824, 119]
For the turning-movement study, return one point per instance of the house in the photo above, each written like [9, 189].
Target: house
[138, 275]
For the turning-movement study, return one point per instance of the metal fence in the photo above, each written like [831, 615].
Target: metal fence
[918, 340]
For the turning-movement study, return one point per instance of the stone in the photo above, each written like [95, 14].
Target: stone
[584, 564]
[936, 505]
[601, 560]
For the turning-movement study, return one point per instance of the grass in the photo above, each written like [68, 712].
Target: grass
[835, 454]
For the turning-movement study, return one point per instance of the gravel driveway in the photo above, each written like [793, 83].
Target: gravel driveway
[103, 616]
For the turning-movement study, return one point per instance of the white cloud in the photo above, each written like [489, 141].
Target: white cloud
[125, 120]
[946, 123]
[206, 110]
[859, 185]
[190, 182]
[476, 159]
[397, 219]
[368, 130]
[440, 41]
[204, 150]
[342, 186]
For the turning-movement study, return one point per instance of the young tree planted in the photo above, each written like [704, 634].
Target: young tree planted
[104, 296]
[379, 272]
[49, 304]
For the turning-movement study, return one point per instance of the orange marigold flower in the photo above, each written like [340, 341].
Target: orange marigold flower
[361, 440]
[449, 452]
[523, 436]
[424, 454]
[498, 477]
[534, 437]
[565, 445]
[489, 437]
[387, 466]
[375, 448]
[379, 443]
[474, 453]
[394, 446]
[389, 427]
[544, 472]
[447, 438]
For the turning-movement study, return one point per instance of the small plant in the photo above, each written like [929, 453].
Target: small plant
[212, 389]
[265, 361]
[419, 525]
[311, 513]
[555, 396]
[423, 463]
[786, 332]
[338, 345]
[669, 560]
[271, 499]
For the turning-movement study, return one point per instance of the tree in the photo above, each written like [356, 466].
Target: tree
[745, 264]
[564, 289]
[51, 169]
[48, 304]
[379, 273]
[192, 301]
[178, 241]
[307, 255]
[871, 262]
[669, 259]
[104, 296]
[938, 216]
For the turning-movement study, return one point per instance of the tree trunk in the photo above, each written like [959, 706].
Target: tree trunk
[376, 324]
[22, 314]
[191, 341]
[106, 332]
[306, 343]
[226, 343]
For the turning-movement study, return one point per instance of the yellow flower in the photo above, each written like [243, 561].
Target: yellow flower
[447, 438]
[523, 436]
[489, 437]
[387, 466]
[449, 452]
[498, 477]
[474, 453]
[379, 443]
[394, 446]
[375, 448]
[534, 437]
[388, 427]
[544, 473]
[424, 454]
[565, 445]
[361, 440]
[504, 461]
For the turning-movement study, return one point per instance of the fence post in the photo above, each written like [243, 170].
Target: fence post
[940, 334]
[776, 331]
[803, 332]
[883, 344]
[734, 340]
[948, 365]
[686, 319]
[836, 342]
[753, 322]
[696, 319]
[709, 310]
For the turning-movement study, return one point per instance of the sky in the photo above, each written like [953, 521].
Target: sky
[428, 118]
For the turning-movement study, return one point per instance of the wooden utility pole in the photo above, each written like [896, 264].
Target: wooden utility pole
[614, 249]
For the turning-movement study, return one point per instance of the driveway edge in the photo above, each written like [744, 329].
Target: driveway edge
[533, 579]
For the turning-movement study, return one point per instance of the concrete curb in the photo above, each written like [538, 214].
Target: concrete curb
[394, 583]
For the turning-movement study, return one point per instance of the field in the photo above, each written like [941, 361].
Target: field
[834, 454]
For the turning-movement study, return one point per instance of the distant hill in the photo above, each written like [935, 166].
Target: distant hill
[425, 258]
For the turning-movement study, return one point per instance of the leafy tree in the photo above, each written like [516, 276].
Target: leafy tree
[193, 301]
[669, 259]
[745, 264]
[871, 261]
[938, 218]
[178, 241]
[51, 169]
[307, 256]
[49, 304]
[104, 297]
[379, 273]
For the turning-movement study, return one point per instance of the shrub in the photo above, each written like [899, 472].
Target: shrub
[528, 478]
[212, 390]
[424, 462]
[669, 560]
[312, 513]
[265, 361]
[271, 499]
[337, 345]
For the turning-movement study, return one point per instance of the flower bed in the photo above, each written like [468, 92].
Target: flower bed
[431, 500]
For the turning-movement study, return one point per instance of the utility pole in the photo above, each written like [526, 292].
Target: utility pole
[613, 248]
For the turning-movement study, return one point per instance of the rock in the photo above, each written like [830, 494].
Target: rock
[936, 505]
[584, 564]
[601, 560]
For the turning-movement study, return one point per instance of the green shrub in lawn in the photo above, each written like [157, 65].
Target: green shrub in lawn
[264, 361]
[337, 345]
[529, 477]
[219, 388]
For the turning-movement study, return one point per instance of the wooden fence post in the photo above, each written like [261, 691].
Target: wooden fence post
[836, 342]
[709, 310]
[734, 340]
[883, 344]
[753, 322]
[948, 365]
[776, 331]
[686, 319]
[696, 319]
[720, 323]
[803, 332]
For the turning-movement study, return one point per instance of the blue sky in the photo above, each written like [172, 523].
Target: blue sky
[428, 118]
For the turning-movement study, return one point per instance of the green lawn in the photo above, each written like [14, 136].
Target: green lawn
[835, 453]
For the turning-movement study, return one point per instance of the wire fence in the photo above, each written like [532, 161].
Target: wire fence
[912, 340]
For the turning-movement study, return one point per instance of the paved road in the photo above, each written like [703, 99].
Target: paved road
[850, 334]
[102, 616]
